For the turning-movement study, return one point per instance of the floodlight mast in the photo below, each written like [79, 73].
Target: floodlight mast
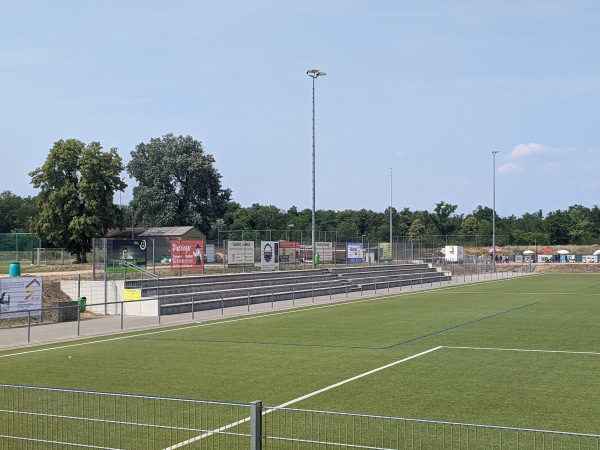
[494, 210]
[314, 74]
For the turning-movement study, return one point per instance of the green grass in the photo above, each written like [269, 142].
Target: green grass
[277, 357]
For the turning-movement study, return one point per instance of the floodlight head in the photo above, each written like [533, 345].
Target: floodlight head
[321, 74]
[312, 71]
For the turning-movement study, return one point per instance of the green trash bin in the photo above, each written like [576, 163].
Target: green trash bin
[81, 301]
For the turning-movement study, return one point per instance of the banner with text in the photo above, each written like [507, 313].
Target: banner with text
[325, 251]
[267, 255]
[354, 252]
[187, 255]
[289, 252]
[240, 253]
[131, 250]
[19, 295]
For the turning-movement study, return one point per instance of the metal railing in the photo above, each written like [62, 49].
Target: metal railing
[36, 417]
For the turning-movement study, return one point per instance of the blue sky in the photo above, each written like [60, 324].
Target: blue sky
[427, 89]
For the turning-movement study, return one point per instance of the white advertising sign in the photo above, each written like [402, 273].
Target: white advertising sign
[325, 251]
[20, 294]
[267, 255]
[240, 253]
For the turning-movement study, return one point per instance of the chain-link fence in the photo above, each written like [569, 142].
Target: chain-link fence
[19, 247]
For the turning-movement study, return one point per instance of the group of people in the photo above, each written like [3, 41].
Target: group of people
[501, 258]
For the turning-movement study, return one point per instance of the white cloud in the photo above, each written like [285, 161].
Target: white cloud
[530, 149]
[523, 150]
[510, 167]
[551, 166]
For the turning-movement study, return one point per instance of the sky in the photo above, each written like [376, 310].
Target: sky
[417, 96]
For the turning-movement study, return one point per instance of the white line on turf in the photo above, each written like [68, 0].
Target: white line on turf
[255, 315]
[304, 397]
[521, 350]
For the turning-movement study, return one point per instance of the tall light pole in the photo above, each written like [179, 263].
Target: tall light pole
[314, 74]
[391, 211]
[494, 210]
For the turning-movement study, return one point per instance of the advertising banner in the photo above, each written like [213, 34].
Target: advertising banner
[325, 251]
[354, 252]
[289, 252]
[119, 251]
[240, 253]
[20, 294]
[386, 251]
[267, 255]
[209, 253]
[187, 255]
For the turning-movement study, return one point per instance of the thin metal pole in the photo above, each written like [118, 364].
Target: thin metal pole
[314, 224]
[494, 210]
[391, 244]
[314, 74]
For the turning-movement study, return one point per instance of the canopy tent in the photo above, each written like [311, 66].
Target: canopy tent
[528, 252]
[548, 250]
[491, 250]
[596, 253]
[563, 252]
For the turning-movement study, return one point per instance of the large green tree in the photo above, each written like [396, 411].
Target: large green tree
[77, 184]
[177, 184]
[16, 213]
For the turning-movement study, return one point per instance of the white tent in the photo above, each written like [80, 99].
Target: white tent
[563, 252]
[528, 252]
[596, 253]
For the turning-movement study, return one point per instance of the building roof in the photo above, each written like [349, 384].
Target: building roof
[169, 231]
[156, 232]
[125, 233]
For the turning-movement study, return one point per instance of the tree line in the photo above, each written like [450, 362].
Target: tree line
[177, 183]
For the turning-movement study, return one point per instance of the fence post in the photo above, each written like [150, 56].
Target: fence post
[28, 326]
[248, 301]
[222, 305]
[122, 304]
[192, 307]
[255, 425]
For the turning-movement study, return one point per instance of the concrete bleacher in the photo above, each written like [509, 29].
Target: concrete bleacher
[178, 294]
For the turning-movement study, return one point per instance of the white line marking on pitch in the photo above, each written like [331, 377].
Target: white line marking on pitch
[521, 350]
[213, 321]
[255, 315]
[304, 397]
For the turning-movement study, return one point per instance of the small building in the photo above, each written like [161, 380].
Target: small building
[158, 239]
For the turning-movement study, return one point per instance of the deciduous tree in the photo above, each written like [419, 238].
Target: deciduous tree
[177, 184]
[77, 184]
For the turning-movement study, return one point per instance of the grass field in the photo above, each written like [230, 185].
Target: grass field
[521, 352]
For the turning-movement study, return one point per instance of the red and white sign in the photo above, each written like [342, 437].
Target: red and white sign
[187, 255]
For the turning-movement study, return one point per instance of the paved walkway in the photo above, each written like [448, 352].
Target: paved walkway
[51, 333]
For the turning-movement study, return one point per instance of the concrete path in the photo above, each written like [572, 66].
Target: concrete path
[52, 333]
